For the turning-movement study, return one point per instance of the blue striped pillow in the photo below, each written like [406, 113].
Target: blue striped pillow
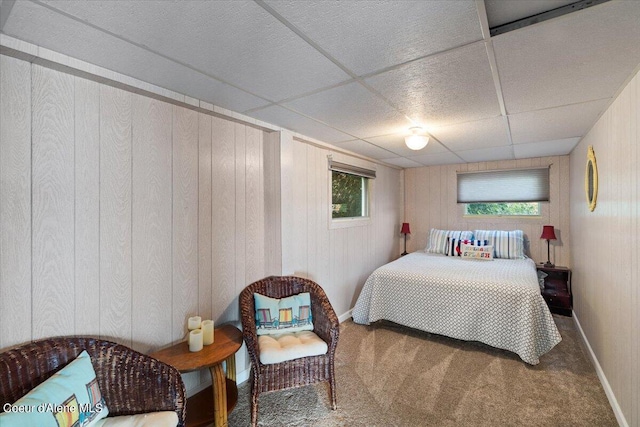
[453, 245]
[438, 239]
[506, 244]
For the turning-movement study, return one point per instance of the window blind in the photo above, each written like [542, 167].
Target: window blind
[353, 170]
[513, 185]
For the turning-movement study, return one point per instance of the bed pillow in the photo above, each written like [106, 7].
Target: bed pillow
[438, 239]
[74, 389]
[506, 244]
[290, 314]
[453, 245]
[477, 252]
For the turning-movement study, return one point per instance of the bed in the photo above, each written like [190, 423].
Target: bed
[495, 302]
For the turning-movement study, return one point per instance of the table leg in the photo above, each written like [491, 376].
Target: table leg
[219, 383]
[231, 367]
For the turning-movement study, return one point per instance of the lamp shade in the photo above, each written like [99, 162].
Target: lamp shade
[405, 228]
[548, 233]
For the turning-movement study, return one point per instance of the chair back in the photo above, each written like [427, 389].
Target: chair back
[282, 287]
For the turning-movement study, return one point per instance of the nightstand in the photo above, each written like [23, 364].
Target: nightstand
[557, 289]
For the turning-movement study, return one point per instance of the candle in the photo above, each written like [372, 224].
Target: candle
[194, 322]
[195, 340]
[207, 332]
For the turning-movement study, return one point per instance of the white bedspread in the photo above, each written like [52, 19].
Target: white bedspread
[495, 302]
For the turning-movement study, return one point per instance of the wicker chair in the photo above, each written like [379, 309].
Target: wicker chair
[131, 382]
[297, 372]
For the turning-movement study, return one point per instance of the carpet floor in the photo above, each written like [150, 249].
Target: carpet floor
[388, 375]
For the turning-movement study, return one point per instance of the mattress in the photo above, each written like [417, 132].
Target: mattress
[494, 302]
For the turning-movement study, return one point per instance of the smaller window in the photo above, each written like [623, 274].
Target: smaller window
[503, 209]
[350, 195]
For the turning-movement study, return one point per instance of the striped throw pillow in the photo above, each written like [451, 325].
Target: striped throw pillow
[454, 245]
[506, 244]
[438, 239]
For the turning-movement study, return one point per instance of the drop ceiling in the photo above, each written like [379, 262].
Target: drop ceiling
[358, 74]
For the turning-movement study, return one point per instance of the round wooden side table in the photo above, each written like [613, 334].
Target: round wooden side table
[213, 403]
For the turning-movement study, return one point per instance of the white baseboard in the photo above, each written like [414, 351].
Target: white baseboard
[622, 421]
[345, 316]
[242, 376]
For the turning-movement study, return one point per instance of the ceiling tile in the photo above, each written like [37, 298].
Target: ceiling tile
[352, 109]
[369, 36]
[288, 119]
[446, 158]
[396, 144]
[487, 154]
[237, 41]
[365, 148]
[555, 123]
[545, 148]
[39, 25]
[402, 162]
[582, 56]
[500, 12]
[453, 87]
[473, 135]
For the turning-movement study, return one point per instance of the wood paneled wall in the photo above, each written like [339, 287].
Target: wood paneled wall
[339, 259]
[121, 215]
[606, 281]
[430, 202]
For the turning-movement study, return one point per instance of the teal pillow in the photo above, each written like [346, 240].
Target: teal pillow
[290, 314]
[70, 398]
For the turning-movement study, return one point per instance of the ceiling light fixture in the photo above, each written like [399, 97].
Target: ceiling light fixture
[417, 140]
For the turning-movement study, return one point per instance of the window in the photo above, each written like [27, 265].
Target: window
[515, 192]
[503, 209]
[350, 191]
[349, 195]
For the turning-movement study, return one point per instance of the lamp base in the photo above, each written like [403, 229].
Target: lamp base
[548, 264]
[404, 253]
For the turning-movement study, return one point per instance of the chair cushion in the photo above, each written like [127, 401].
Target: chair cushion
[69, 397]
[290, 314]
[153, 419]
[290, 345]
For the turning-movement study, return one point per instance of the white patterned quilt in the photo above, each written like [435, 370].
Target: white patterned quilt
[495, 302]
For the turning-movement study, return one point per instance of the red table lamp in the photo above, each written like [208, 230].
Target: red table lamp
[405, 230]
[548, 234]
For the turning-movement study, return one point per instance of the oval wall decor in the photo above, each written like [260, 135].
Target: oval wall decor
[591, 179]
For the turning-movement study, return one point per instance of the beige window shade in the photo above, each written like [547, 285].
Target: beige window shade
[513, 185]
[353, 170]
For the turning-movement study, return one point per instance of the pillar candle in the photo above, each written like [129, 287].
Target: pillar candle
[207, 332]
[195, 340]
[194, 322]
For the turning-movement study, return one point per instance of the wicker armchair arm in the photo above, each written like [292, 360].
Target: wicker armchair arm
[325, 320]
[134, 383]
